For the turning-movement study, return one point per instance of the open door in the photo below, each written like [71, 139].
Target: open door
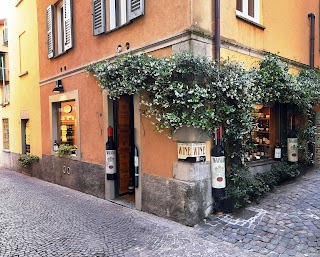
[124, 131]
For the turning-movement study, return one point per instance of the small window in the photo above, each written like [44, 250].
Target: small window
[249, 9]
[5, 127]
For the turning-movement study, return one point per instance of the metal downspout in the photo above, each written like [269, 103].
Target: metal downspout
[217, 37]
[312, 17]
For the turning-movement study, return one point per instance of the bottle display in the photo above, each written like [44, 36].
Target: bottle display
[292, 143]
[218, 162]
[110, 156]
[262, 137]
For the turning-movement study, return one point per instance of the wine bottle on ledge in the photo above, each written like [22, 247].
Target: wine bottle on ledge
[292, 143]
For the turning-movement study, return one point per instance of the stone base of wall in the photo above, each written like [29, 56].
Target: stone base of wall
[85, 177]
[186, 199]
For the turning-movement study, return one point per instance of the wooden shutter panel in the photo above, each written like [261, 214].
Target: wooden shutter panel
[50, 31]
[68, 36]
[135, 8]
[99, 16]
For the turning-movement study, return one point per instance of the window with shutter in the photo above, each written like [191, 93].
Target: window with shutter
[99, 17]
[136, 8]
[68, 40]
[50, 31]
[59, 20]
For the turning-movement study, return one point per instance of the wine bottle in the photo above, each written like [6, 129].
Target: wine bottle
[110, 156]
[292, 143]
[218, 170]
[267, 126]
[277, 151]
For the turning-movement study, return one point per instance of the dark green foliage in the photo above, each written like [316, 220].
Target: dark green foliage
[27, 159]
[243, 188]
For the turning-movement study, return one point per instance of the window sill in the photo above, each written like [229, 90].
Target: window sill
[260, 162]
[23, 74]
[250, 22]
[6, 150]
[58, 55]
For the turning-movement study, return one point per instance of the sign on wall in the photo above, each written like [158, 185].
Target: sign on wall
[192, 152]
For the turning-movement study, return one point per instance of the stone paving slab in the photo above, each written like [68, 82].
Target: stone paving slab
[285, 223]
[46, 220]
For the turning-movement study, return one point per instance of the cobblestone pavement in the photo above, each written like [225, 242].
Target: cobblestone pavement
[285, 223]
[43, 219]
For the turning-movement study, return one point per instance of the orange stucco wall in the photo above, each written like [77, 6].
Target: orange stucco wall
[91, 120]
[157, 150]
[287, 28]
[87, 48]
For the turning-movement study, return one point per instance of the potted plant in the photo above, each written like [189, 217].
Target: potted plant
[65, 150]
[27, 159]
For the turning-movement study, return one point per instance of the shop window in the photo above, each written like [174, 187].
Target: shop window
[59, 28]
[249, 9]
[65, 121]
[5, 127]
[118, 13]
[264, 134]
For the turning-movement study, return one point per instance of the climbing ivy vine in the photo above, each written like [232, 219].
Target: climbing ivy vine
[185, 89]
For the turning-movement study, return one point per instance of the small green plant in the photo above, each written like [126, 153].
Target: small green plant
[65, 150]
[27, 159]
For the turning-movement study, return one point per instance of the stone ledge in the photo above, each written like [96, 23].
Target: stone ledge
[191, 171]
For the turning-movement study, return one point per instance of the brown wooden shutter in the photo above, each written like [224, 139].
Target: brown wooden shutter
[135, 8]
[50, 31]
[99, 16]
[68, 36]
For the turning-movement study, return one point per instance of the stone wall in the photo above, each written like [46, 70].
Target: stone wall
[85, 177]
[186, 198]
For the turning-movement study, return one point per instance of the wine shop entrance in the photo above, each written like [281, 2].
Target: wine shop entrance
[124, 139]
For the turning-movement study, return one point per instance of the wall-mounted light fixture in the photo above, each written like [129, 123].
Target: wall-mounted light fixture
[119, 49]
[127, 45]
[59, 87]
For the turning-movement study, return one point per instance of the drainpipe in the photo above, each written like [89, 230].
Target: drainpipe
[217, 37]
[312, 17]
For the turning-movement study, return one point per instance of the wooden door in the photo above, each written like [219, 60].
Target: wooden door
[124, 130]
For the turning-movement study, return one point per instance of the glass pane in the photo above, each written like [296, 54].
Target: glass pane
[251, 8]
[68, 129]
[239, 5]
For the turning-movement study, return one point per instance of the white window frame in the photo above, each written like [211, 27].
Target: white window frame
[118, 15]
[245, 14]
[60, 27]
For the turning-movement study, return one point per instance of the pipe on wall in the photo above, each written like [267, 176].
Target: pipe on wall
[217, 37]
[312, 18]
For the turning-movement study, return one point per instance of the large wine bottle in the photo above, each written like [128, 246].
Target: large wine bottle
[292, 143]
[218, 171]
[111, 169]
